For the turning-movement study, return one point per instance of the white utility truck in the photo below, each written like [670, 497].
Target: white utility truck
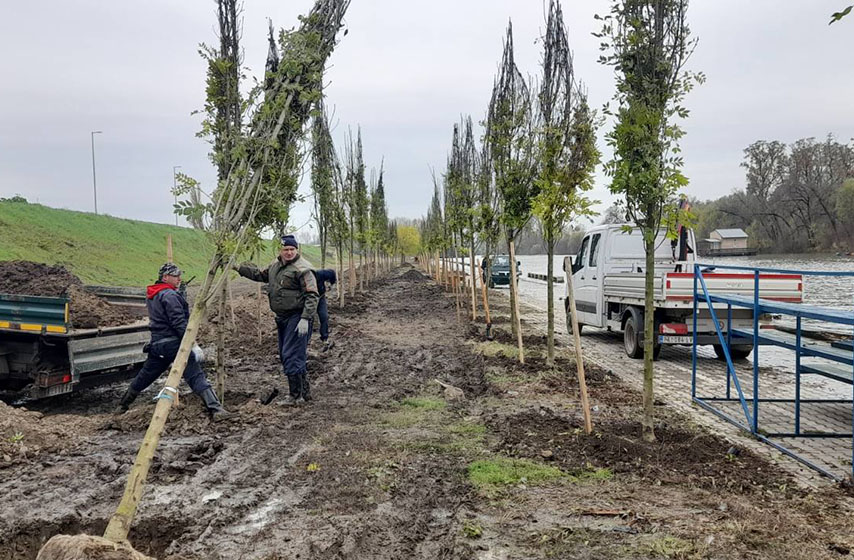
[608, 283]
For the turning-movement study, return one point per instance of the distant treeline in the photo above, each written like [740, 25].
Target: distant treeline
[798, 197]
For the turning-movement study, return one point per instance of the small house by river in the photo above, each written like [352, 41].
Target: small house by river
[726, 243]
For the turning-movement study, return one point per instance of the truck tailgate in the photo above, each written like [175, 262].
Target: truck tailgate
[679, 286]
[676, 289]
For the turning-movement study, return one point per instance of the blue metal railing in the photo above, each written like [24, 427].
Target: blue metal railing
[758, 305]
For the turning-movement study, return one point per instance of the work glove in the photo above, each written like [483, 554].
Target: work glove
[302, 327]
[198, 354]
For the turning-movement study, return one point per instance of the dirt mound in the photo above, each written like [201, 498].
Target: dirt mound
[413, 275]
[677, 457]
[35, 279]
[24, 435]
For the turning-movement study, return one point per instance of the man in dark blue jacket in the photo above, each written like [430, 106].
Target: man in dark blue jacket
[323, 276]
[168, 313]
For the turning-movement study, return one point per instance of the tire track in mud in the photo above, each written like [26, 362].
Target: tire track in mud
[326, 480]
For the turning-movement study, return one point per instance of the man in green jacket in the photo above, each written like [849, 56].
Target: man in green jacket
[292, 289]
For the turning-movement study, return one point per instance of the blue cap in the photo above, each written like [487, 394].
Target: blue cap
[289, 241]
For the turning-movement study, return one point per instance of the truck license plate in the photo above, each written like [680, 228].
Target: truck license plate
[668, 339]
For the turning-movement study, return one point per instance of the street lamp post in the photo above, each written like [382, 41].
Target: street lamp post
[94, 180]
[174, 187]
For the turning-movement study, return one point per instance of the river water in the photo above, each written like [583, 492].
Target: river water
[835, 292]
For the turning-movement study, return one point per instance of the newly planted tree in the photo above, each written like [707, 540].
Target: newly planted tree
[509, 135]
[566, 148]
[648, 43]
[241, 205]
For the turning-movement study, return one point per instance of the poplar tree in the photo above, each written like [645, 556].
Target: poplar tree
[566, 148]
[509, 135]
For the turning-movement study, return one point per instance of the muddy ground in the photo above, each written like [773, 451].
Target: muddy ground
[87, 311]
[389, 461]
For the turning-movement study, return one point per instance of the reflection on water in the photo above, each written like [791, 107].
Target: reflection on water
[826, 291]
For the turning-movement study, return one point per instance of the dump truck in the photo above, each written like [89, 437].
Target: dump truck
[42, 354]
[609, 287]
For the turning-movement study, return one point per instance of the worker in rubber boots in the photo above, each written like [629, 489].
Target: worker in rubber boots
[168, 313]
[292, 289]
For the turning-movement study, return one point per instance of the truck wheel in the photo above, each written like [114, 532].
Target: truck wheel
[735, 352]
[631, 339]
[569, 325]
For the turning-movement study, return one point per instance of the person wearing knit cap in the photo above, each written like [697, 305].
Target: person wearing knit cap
[168, 314]
[293, 294]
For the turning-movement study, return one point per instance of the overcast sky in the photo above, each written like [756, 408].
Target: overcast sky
[405, 72]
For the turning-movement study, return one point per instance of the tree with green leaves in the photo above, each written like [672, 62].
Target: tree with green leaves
[241, 198]
[223, 127]
[566, 148]
[509, 136]
[322, 177]
[379, 236]
[361, 205]
[648, 43]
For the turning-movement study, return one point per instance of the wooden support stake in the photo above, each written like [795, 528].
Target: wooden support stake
[579, 360]
[169, 248]
[260, 310]
[514, 285]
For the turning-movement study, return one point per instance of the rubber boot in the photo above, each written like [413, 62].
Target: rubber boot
[293, 390]
[128, 398]
[305, 387]
[215, 409]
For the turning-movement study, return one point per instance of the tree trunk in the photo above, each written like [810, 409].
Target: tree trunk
[120, 522]
[340, 275]
[352, 271]
[472, 270]
[361, 270]
[550, 297]
[648, 338]
[220, 344]
[579, 360]
[456, 280]
[514, 295]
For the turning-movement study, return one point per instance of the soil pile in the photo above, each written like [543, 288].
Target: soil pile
[24, 435]
[35, 279]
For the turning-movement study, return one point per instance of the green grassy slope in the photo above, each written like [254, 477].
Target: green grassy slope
[106, 250]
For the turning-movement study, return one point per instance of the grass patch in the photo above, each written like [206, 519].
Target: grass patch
[414, 411]
[472, 530]
[424, 403]
[467, 429]
[503, 471]
[669, 547]
[493, 348]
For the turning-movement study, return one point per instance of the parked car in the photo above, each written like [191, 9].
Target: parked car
[500, 270]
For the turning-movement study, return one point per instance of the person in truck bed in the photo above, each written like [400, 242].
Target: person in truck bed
[168, 313]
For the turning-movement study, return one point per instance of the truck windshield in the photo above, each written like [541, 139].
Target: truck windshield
[501, 261]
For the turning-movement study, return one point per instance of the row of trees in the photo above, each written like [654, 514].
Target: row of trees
[538, 152]
[536, 158]
[350, 210]
[797, 197]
